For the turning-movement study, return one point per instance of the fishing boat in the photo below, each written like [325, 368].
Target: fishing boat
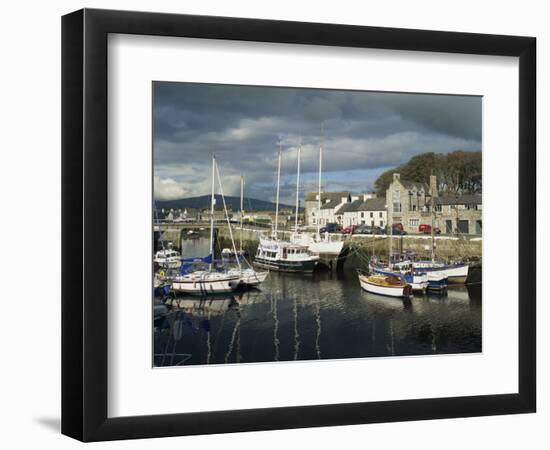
[321, 244]
[284, 256]
[209, 281]
[167, 258]
[385, 285]
[276, 254]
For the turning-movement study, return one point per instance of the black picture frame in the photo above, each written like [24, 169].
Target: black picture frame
[84, 224]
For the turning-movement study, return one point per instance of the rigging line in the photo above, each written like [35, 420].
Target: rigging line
[227, 217]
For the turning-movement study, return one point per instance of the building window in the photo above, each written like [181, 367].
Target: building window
[363, 222]
[314, 222]
[381, 223]
[438, 208]
[397, 207]
[414, 207]
[380, 214]
[372, 214]
[414, 222]
[362, 215]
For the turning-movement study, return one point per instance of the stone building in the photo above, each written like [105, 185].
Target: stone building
[409, 203]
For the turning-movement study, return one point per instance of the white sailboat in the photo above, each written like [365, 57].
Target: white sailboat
[286, 256]
[327, 244]
[247, 276]
[204, 282]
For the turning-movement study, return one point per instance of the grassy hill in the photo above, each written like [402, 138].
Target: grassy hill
[234, 203]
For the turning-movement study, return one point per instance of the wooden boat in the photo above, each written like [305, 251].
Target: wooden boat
[419, 281]
[385, 285]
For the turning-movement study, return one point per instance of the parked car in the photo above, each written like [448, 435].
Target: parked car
[427, 229]
[330, 228]
[398, 226]
[368, 229]
[396, 231]
[349, 229]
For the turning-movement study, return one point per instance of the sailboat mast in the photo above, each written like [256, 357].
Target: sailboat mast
[278, 187]
[212, 203]
[242, 212]
[391, 239]
[297, 188]
[320, 171]
[433, 221]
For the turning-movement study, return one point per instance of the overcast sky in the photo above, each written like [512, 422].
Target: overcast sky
[365, 133]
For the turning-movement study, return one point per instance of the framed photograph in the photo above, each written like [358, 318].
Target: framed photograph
[273, 224]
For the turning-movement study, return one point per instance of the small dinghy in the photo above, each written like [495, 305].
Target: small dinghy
[385, 285]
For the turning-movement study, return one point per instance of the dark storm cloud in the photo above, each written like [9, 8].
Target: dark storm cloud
[365, 133]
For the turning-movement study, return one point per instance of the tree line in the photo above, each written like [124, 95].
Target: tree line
[457, 172]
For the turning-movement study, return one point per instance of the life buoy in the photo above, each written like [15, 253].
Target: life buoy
[161, 273]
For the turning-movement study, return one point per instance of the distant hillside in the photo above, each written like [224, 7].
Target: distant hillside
[234, 203]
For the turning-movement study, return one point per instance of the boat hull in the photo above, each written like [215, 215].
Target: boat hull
[250, 277]
[456, 274]
[204, 286]
[289, 265]
[388, 291]
[418, 282]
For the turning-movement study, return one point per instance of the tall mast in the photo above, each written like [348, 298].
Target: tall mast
[278, 186]
[297, 187]
[320, 171]
[242, 212]
[433, 223]
[212, 203]
[391, 236]
[227, 218]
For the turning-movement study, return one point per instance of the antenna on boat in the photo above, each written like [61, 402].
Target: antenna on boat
[320, 171]
[227, 218]
[278, 188]
[298, 186]
[242, 212]
[212, 203]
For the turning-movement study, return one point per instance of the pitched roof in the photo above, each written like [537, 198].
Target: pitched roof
[312, 196]
[350, 207]
[466, 199]
[414, 184]
[374, 204]
[334, 199]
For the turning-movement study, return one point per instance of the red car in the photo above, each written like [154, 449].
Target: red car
[349, 230]
[427, 229]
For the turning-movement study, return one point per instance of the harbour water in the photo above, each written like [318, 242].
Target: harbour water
[318, 316]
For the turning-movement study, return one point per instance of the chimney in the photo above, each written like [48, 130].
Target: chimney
[396, 177]
[433, 186]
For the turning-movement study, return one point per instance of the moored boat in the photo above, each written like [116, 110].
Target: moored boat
[285, 256]
[385, 285]
[205, 282]
[168, 258]
[455, 273]
[419, 281]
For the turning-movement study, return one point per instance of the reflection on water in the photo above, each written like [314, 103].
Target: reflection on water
[318, 316]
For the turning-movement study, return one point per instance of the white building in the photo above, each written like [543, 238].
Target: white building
[346, 209]
[368, 210]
